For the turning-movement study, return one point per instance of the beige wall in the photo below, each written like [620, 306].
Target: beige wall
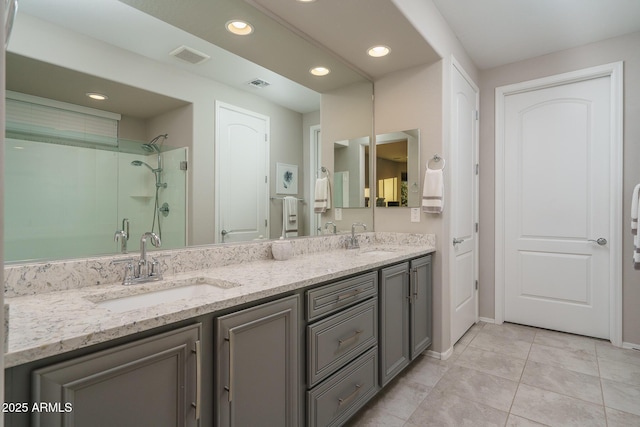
[398, 107]
[346, 113]
[625, 48]
[421, 98]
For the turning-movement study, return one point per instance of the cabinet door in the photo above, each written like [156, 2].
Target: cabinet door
[421, 307]
[257, 381]
[151, 382]
[394, 321]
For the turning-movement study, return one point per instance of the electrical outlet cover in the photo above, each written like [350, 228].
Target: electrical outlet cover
[415, 214]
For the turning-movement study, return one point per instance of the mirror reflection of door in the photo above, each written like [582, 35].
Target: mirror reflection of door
[350, 157]
[242, 159]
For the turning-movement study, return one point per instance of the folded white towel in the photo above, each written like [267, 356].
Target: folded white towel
[433, 191]
[289, 216]
[322, 197]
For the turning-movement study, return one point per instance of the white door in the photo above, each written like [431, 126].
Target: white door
[464, 204]
[557, 205]
[242, 158]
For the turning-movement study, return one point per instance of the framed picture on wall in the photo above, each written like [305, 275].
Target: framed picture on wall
[286, 178]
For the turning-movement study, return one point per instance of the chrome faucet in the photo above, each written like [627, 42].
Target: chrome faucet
[144, 270]
[143, 264]
[353, 242]
[326, 225]
[123, 235]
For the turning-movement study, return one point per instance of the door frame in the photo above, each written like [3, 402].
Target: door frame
[615, 72]
[457, 67]
[216, 212]
[314, 172]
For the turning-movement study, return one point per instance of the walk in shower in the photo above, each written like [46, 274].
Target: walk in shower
[66, 194]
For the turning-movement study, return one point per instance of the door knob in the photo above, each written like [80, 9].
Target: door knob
[456, 241]
[601, 241]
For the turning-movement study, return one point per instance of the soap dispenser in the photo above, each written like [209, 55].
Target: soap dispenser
[282, 249]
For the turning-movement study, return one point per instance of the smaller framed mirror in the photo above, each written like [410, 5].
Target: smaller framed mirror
[398, 169]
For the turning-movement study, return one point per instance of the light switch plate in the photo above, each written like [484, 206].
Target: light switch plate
[415, 214]
[338, 214]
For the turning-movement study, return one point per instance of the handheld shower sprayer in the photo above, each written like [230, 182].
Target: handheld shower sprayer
[154, 146]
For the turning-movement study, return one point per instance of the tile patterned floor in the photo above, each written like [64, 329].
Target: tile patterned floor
[511, 375]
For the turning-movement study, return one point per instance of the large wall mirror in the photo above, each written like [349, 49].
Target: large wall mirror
[147, 160]
[398, 169]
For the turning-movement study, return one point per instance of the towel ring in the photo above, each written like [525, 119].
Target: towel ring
[436, 158]
[324, 171]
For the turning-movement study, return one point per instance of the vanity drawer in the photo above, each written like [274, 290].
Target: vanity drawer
[329, 298]
[336, 340]
[338, 398]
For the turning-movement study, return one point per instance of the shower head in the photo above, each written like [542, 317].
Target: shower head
[141, 163]
[152, 146]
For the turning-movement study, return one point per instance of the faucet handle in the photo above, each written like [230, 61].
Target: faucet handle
[155, 271]
[129, 270]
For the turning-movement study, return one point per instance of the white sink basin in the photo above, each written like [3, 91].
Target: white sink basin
[376, 251]
[161, 296]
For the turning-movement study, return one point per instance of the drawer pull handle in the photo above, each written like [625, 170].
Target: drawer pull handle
[349, 295]
[350, 397]
[351, 338]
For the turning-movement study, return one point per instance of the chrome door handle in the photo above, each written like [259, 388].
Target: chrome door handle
[601, 241]
[456, 241]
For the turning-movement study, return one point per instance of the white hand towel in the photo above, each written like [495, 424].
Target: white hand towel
[322, 197]
[289, 216]
[433, 191]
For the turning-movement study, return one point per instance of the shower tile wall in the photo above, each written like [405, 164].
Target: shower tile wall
[59, 199]
[63, 201]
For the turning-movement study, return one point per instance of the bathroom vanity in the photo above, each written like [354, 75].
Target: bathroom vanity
[307, 341]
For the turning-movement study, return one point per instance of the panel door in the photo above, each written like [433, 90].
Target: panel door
[151, 382]
[258, 364]
[394, 321]
[242, 159]
[557, 204]
[421, 307]
[464, 209]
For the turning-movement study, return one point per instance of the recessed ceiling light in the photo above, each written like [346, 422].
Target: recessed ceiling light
[97, 96]
[320, 71]
[305, 1]
[240, 28]
[378, 51]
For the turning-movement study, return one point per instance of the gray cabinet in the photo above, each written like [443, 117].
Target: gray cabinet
[405, 315]
[421, 325]
[257, 365]
[342, 353]
[150, 382]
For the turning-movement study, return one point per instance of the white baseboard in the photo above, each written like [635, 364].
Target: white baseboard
[630, 346]
[442, 356]
[486, 320]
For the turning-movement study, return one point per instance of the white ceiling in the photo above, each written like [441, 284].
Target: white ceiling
[498, 32]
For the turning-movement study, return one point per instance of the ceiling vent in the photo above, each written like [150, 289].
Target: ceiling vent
[259, 83]
[190, 55]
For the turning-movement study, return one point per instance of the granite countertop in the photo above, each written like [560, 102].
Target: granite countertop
[52, 323]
